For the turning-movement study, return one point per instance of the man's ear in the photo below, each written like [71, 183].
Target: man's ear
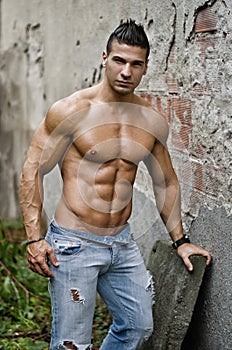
[146, 66]
[104, 59]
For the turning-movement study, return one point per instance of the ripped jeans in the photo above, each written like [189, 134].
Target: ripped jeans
[111, 266]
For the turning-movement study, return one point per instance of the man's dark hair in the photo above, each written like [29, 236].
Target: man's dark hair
[129, 33]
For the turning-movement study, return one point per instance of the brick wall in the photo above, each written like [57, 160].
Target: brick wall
[195, 100]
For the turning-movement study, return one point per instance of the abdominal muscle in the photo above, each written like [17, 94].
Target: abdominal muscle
[96, 198]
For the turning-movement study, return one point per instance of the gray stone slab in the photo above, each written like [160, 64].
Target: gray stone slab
[176, 294]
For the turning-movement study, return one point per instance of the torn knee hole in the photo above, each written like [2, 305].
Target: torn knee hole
[76, 296]
[70, 345]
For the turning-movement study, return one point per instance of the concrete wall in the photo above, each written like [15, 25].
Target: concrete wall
[48, 49]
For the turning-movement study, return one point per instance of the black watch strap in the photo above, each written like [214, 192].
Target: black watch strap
[179, 242]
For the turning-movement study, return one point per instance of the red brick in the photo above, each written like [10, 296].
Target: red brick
[206, 21]
[147, 97]
[171, 83]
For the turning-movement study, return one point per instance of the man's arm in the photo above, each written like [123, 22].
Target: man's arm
[167, 193]
[46, 150]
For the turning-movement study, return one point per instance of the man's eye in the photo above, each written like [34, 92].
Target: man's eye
[118, 60]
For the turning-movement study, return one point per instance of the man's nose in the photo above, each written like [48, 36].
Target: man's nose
[126, 71]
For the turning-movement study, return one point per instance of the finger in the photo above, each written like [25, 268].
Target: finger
[188, 263]
[43, 266]
[40, 266]
[36, 268]
[46, 271]
[53, 258]
[206, 254]
[208, 259]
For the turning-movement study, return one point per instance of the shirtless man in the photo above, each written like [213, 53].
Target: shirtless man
[98, 136]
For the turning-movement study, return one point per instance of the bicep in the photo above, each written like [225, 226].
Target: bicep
[159, 165]
[46, 149]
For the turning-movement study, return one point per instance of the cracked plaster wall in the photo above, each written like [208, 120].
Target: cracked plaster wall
[48, 49]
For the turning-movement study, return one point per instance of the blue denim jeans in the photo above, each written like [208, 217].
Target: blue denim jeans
[111, 266]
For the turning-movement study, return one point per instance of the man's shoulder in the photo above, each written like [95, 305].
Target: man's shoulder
[149, 108]
[155, 121]
[64, 110]
[67, 106]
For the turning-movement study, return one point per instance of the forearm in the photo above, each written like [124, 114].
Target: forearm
[168, 202]
[31, 200]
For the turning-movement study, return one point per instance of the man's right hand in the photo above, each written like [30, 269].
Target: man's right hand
[37, 254]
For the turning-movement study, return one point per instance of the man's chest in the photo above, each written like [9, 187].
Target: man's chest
[111, 141]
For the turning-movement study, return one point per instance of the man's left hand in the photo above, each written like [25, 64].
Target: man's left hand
[188, 249]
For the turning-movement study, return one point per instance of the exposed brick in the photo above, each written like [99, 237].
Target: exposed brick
[205, 42]
[170, 75]
[159, 103]
[147, 97]
[172, 83]
[206, 21]
[200, 90]
[198, 175]
[182, 109]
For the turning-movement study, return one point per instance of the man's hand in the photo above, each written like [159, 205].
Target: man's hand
[37, 254]
[188, 249]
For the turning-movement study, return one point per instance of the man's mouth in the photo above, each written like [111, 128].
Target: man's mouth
[124, 82]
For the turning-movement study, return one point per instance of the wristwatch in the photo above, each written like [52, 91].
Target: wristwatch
[179, 242]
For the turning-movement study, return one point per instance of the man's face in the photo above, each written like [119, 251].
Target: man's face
[125, 65]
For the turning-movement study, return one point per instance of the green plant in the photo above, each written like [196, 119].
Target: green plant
[101, 322]
[24, 299]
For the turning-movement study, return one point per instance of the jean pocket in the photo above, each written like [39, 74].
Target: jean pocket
[66, 247]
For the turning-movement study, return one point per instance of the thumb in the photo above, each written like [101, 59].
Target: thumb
[53, 259]
[188, 264]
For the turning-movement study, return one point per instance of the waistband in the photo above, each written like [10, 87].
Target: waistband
[123, 237]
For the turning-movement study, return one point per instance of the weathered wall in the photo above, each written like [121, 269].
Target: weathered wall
[51, 48]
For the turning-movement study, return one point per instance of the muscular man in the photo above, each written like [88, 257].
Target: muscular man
[98, 136]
